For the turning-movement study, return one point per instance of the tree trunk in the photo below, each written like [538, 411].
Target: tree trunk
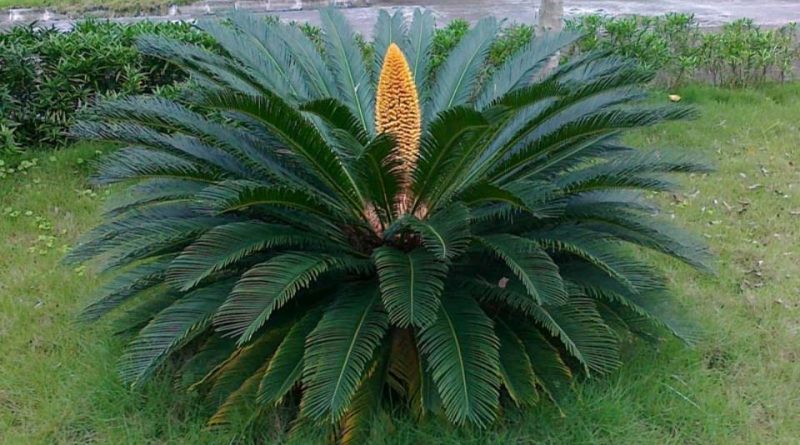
[551, 19]
[551, 15]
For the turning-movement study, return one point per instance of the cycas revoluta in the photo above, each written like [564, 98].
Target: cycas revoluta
[312, 230]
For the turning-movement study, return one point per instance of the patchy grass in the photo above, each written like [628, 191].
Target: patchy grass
[131, 7]
[738, 386]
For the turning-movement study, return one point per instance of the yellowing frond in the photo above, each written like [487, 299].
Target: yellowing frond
[397, 113]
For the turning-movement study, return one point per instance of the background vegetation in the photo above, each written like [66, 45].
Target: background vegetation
[58, 384]
[739, 54]
[131, 7]
[48, 75]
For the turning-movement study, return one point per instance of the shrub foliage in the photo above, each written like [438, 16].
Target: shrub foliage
[282, 254]
[48, 74]
[739, 54]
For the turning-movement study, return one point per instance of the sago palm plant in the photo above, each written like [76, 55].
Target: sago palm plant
[316, 232]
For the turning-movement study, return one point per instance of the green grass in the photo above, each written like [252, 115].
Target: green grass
[77, 6]
[739, 386]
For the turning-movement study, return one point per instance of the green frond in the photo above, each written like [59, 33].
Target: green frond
[141, 163]
[552, 374]
[236, 196]
[521, 201]
[244, 363]
[92, 244]
[530, 264]
[357, 422]
[149, 191]
[653, 302]
[202, 64]
[601, 251]
[168, 116]
[629, 170]
[258, 48]
[265, 288]
[576, 323]
[286, 366]
[157, 238]
[228, 244]
[348, 67]
[418, 51]
[456, 80]
[339, 351]
[376, 168]
[461, 349]
[442, 152]
[411, 285]
[583, 332]
[139, 311]
[210, 157]
[127, 284]
[644, 230]
[170, 330]
[388, 29]
[520, 70]
[445, 234]
[564, 136]
[300, 135]
[321, 81]
[516, 369]
[338, 117]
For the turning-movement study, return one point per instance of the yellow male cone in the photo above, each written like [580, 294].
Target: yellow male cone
[397, 113]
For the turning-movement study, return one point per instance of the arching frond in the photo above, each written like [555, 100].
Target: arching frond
[286, 366]
[531, 265]
[418, 50]
[265, 288]
[357, 422]
[171, 329]
[446, 233]
[339, 351]
[411, 285]
[127, 284]
[552, 374]
[462, 353]
[520, 69]
[516, 369]
[348, 66]
[456, 80]
[225, 245]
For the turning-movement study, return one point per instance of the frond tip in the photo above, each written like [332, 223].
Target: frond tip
[397, 111]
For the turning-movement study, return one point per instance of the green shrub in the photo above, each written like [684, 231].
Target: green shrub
[289, 259]
[445, 39]
[48, 74]
[741, 54]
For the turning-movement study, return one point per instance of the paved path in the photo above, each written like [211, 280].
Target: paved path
[362, 13]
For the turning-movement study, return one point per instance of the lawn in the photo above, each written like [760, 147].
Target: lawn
[740, 385]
